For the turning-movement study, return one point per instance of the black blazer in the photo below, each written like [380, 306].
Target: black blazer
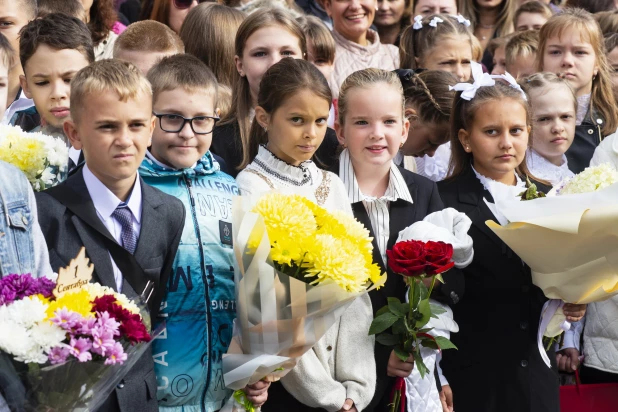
[497, 366]
[161, 227]
[587, 138]
[426, 200]
[226, 143]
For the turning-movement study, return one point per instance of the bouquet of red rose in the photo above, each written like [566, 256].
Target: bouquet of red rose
[406, 325]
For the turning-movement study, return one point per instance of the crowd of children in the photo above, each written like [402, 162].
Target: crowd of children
[362, 106]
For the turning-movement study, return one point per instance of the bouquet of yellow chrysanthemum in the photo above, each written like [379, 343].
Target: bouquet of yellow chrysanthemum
[43, 159]
[299, 267]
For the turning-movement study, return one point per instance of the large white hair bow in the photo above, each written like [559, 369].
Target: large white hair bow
[418, 22]
[480, 80]
[461, 19]
[512, 82]
[434, 22]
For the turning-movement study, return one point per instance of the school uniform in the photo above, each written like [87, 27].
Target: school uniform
[497, 366]
[227, 144]
[408, 199]
[144, 231]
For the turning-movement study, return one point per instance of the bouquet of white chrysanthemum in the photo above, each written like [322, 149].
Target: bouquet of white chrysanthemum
[42, 158]
[590, 180]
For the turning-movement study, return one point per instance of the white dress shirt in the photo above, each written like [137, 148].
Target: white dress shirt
[377, 207]
[105, 202]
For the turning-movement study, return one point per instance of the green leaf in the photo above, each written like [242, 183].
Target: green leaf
[439, 278]
[422, 368]
[444, 343]
[399, 327]
[423, 291]
[429, 343]
[416, 292]
[382, 322]
[425, 311]
[395, 307]
[401, 354]
[436, 309]
[382, 310]
[387, 339]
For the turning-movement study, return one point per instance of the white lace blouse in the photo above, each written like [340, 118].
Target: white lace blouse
[543, 169]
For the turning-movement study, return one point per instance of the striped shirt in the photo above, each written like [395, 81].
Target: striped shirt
[377, 207]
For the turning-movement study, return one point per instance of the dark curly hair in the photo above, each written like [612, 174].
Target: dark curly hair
[102, 17]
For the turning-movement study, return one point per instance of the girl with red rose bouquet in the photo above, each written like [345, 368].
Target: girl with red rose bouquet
[490, 127]
[385, 197]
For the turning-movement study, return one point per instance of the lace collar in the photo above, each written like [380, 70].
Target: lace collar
[372, 47]
[546, 170]
[583, 104]
[305, 174]
[500, 191]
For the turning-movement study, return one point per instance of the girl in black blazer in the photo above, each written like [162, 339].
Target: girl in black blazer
[498, 366]
[385, 197]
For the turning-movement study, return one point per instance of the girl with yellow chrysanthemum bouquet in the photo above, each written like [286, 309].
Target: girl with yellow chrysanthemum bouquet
[338, 372]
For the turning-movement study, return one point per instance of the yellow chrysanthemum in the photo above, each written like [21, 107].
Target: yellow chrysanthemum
[78, 302]
[26, 153]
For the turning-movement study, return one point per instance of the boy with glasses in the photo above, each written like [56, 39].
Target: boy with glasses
[199, 302]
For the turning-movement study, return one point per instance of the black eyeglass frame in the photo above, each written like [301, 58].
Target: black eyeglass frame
[183, 7]
[184, 122]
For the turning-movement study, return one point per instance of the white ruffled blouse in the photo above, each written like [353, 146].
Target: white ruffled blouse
[500, 191]
[546, 170]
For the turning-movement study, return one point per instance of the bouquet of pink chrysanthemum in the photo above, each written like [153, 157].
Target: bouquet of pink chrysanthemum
[67, 352]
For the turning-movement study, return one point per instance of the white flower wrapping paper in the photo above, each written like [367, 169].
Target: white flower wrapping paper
[279, 318]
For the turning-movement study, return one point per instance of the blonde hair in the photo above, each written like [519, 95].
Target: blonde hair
[364, 79]
[182, 71]
[545, 80]
[321, 38]
[148, 36]
[111, 75]
[504, 25]
[241, 94]
[522, 44]
[415, 44]
[208, 33]
[602, 97]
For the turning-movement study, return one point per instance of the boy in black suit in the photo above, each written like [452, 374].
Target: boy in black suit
[130, 230]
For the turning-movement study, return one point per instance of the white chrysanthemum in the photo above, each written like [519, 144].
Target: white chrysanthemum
[47, 335]
[58, 153]
[15, 338]
[591, 179]
[34, 355]
[47, 177]
[27, 311]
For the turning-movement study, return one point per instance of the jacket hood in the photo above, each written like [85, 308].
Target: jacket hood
[150, 167]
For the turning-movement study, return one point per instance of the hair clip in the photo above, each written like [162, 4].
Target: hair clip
[468, 90]
[406, 75]
[512, 82]
[434, 22]
[461, 19]
[418, 22]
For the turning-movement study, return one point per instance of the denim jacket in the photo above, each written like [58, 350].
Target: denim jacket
[22, 245]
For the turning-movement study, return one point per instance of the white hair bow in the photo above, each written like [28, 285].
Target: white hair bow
[418, 22]
[461, 19]
[434, 22]
[480, 80]
[512, 82]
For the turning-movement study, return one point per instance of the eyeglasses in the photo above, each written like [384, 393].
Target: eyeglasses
[174, 123]
[405, 75]
[185, 4]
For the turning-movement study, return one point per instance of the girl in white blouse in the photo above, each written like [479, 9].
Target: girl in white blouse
[554, 109]
[386, 198]
[290, 124]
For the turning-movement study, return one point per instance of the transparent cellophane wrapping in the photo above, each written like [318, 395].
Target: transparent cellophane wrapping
[71, 386]
[279, 318]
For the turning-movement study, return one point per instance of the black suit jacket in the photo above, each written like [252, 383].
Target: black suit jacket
[497, 366]
[402, 214]
[161, 227]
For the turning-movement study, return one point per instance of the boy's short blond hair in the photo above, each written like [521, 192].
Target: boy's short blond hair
[148, 36]
[522, 44]
[532, 7]
[182, 71]
[111, 75]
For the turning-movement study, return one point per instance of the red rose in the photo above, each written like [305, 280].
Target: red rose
[407, 258]
[438, 256]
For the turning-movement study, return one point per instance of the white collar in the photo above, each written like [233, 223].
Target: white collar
[500, 191]
[305, 174]
[397, 187]
[105, 202]
[544, 169]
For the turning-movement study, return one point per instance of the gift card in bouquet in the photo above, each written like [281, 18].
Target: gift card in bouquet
[66, 344]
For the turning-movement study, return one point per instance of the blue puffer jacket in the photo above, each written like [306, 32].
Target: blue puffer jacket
[199, 306]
